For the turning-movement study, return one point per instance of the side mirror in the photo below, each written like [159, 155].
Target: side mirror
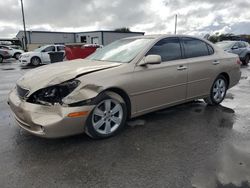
[151, 60]
[235, 47]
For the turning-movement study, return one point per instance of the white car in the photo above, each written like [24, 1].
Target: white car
[12, 51]
[40, 55]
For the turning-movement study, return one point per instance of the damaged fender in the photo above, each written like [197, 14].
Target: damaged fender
[84, 93]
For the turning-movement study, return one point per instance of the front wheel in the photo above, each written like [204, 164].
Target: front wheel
[218, 91]
[35, 61]
[108, 117]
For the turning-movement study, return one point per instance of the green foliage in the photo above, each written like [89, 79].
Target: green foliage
[123, 29]
[220, 37]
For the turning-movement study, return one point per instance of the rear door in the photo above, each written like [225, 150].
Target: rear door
[45, 54]
[236, 48]
[61, 49]
[202, 66]
[162, 84]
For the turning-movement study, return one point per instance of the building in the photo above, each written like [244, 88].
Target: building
[38, 38]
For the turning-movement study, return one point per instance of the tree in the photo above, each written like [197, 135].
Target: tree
[220, 37]
[123, 29]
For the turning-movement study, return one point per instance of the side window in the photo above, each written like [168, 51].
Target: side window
[49, 49]
[210, 49]
[60, 48]
[195, 47]
[4, 47]
[242, 45]
[169, 49]
[236, 45]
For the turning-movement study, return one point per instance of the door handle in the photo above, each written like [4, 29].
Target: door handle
[216, 62]
[181, 67]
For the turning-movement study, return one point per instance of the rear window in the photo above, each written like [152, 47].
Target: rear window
[60, 48]
[196, 48]
[242, 45]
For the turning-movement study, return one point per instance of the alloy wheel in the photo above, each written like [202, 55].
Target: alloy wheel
[35, 61]
[107, 116]
[219, 90]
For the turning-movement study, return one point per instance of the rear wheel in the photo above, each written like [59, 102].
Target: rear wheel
[246, 61]
[1, 59]
[108, 117]
[35, 61]
[218, 91]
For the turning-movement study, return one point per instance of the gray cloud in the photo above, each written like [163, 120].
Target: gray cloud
[81, 13]
[153, 16]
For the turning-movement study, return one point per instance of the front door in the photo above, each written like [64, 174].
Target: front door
[162, 84]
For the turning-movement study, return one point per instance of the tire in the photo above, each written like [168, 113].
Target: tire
[17, 55]
[1, 59]
[35, 61]
[218, 91]
[102, 122]
[246, 61]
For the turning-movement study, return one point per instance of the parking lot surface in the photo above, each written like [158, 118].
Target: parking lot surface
[191, 145]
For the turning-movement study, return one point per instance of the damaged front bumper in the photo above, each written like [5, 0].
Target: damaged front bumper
[48, 121]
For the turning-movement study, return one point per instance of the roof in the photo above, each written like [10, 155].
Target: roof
[109, 31]
[164, 36]
[105, 31]
[59, 32]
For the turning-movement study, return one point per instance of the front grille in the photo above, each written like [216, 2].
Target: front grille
[22, 93]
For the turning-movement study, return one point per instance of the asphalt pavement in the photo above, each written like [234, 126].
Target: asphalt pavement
[190, 145]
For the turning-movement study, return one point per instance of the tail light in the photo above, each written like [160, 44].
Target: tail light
[238, 61]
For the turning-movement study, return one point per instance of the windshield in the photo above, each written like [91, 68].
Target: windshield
[122, 51]
[225, 45]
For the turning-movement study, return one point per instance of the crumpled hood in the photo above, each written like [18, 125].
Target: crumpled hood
[59, 72]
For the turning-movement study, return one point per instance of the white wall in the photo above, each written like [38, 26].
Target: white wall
[47, 37]
[89, 36]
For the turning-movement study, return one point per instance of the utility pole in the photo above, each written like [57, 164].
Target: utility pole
[175, 27]
[24, 28]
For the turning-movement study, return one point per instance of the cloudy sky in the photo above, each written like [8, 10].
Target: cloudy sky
[196, 17]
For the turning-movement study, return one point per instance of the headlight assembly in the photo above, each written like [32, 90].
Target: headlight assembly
[25, 55]
[53, 94]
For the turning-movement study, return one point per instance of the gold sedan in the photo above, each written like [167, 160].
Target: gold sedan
[126, 79]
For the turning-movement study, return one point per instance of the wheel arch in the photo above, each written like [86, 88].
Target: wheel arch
[17, 53]
[125, 97]
[227, 77]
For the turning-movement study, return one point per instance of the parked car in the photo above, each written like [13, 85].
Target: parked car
[15, 53]
[4, 54]
[40, 55]
[125, 79]
[240, 48]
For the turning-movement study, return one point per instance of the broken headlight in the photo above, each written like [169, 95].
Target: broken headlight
[53, 94]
